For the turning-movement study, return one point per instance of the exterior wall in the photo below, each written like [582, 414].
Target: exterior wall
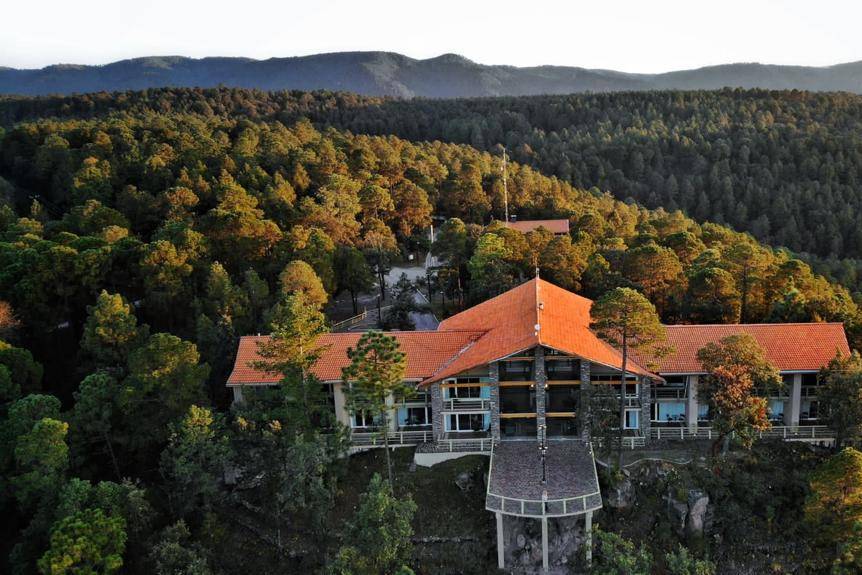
[237, 394]
[541, 380]
[584, 416]
[494, 379]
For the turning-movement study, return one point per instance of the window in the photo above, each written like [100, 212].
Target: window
[518, 399]
[631, 389]
[668, 412]
[632, 420]
[810, 379]
[675, 380]
[702, 413]
[563, 369]
[413, 416]
[521, 370]
[563, 398]
[776, 410]
[809, 410]
[472, 392]
[464, 422]
[362, 419]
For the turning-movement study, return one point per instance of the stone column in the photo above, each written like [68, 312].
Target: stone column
[545, 545]
[646, 407]
[691, 405]
[793, 407]
[586, 397]
[437, 424]
[393, 413]
[501, 542]
[588, 537]
[494, 382]
[541, 381]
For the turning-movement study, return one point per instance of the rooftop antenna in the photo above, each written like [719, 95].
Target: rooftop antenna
[505, 187]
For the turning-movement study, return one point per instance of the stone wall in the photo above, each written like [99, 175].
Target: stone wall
[494, 380]
[646, 406]
[437, 424]
[541, 380]
[584, 404]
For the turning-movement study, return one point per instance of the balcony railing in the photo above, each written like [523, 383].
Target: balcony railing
[375, 438]
[467, 404]
[668, 393]
[775, 432]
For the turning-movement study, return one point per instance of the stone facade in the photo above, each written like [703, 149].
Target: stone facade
[437, 410]
[541, 381]
[494, 382]
[645, 419]
[584, 402]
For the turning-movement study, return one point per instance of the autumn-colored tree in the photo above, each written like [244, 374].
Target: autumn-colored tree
[625, 318]
[840, 396]
[375, 377]
[738, 379]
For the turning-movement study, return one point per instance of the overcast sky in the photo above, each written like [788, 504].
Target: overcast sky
[627, 35]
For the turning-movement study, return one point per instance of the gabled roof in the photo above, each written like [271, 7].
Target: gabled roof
[532, 314]
[788, 346]
[560, 226]
[426, 351]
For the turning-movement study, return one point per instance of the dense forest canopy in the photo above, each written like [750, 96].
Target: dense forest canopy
[142, 234]
[784, 166]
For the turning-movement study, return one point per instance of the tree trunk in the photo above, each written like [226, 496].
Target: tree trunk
[353, 300]
[386, 448]
[113, 456]
[622, 403]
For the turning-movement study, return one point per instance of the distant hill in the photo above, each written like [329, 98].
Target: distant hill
[390, 74]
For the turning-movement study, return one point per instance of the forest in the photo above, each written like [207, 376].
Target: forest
[782, 165]
[141, 234]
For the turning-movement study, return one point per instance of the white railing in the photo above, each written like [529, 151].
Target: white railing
[543, 508]
[351, 321]
[466, 404]
[775, 432]
[668, 393]
[375, 438]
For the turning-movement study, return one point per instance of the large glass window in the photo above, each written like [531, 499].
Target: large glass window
[471, 392]
[776, 410]
[668, 412]
[518, 399]
[563, 369]
[521, 370]
[518, 427]
[364, 420]
[563, 398]
[632, 420]
[809, 410]
[464, 422]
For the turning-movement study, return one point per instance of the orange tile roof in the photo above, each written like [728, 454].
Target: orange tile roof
[560, 226]
[539, 313]
[426, 352]
[788, 346]
[511, 320]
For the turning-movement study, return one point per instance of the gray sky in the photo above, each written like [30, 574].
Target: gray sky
[627, 35]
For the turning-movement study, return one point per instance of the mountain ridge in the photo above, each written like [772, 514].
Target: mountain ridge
[380, 73]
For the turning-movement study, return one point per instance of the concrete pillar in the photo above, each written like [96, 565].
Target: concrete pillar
[237, 394]
[793, 407]
[588, 537]
[494, 382]
[541, 380]
[341, 413]
[437, 425]
[545, 544]
[586, 397]
[501, 545]
[691, 405]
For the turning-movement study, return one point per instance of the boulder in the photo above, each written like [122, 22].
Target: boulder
[464, 481]
[621, 495]
[698, 507]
